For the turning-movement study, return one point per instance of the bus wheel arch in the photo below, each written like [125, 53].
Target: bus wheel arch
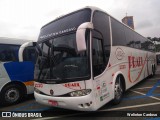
[119, 88]
[12, 93]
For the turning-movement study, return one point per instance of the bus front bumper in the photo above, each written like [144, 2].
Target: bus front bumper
[82, 103]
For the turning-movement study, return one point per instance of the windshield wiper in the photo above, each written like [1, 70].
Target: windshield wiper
[56, 79]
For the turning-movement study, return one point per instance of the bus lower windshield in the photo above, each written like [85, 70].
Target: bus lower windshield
[59, 60]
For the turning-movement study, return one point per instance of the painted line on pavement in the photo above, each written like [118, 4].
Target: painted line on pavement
[153, 88]
[140, 96]
[146, 95]
[133, 106]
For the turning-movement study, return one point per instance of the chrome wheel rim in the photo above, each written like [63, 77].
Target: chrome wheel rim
[12, 95]
[118, 89]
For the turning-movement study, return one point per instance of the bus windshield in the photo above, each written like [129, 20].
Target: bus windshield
[60, 61]
[9, 52]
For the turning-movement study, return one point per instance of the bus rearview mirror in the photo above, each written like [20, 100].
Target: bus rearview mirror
[22, 48]
[80, 36]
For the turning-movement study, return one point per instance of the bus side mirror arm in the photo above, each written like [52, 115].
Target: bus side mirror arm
[80, 36]
[21, 49]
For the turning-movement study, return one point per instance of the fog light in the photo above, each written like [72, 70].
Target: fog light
[87, 104]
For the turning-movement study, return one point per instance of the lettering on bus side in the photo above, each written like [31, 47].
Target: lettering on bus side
[58, 33]
[135, 62]
[103, 88]
[38, 85]
[72, 85]
[136, 66]
[104, 91]
[122, 66]
[104, 96]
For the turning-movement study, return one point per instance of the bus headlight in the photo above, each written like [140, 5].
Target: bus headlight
[80, 93]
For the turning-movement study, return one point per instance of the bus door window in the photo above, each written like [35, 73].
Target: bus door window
[101, 34]
[98, 56]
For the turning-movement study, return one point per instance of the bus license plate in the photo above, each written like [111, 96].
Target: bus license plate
[53, 103]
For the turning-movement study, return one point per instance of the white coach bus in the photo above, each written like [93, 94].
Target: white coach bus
[87, 58]
[17, 58]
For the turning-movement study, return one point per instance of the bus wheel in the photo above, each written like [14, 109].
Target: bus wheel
[153, 71]
[11, 94]
[118, 91]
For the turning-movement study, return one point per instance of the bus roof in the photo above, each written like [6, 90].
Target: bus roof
[14, 41]
[93, 8]
[61, 16]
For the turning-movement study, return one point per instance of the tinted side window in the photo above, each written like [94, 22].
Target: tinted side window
[150, 46]
[137, 39]
[147, 45]
[118, 35]
[9, 52]
[129, 37]
[29, 54]
[143, 46]
[101, 24]
[98, 57]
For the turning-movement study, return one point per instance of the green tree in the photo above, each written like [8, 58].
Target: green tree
[155, 39]
[158, 48]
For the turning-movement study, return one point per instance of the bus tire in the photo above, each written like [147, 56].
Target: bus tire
[11, 94]
[153, 71]
[118, 91]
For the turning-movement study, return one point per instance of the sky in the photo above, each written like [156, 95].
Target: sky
[23, 19]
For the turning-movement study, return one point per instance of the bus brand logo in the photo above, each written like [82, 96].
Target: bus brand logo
[37, 85]
[51, 92]
[119, 54]
[135, 61]
[72, 85]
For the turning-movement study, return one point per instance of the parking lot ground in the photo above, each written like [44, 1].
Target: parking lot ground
[145, 96]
